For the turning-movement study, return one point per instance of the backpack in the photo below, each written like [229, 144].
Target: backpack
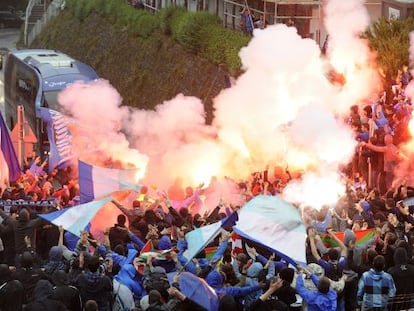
[118, 304]
[157, 279]
[335, 271]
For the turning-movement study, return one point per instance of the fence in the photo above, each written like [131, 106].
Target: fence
[398, 303]
[32, 29]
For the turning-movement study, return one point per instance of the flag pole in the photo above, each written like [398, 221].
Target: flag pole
[20, 144]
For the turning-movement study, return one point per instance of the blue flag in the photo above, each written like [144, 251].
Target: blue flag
[74, 219]
[274, 224]
[199, 238]
[96, 182]
[9, 154]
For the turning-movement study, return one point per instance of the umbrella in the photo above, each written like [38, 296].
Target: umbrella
[198, 291]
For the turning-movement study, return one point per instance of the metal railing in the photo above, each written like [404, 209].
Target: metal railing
[29, 8]
[52, 10]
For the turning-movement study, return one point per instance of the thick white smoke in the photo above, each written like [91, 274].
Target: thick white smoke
[281, 111]
[348, 53]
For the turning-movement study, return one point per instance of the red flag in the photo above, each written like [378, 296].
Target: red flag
[148, 247]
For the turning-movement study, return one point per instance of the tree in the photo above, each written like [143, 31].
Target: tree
[390, 40]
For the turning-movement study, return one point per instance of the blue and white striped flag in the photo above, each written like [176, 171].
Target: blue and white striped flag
[96, 182]
[275, 224]
[74, 219]
[199, 238]
[60, 138]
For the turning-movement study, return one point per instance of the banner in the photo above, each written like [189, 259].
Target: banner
[60, 138]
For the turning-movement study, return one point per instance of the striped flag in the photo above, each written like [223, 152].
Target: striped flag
[75, 219]
[96, 182]
[60, 138]
[199, 238]
[362, 237]
[275, 224]
[8, 158]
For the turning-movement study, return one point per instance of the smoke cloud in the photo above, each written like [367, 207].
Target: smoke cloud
[282, 111]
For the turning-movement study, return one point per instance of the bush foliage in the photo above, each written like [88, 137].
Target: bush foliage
[200, 32]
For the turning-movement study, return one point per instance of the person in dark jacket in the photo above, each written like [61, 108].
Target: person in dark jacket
[265, 303]
[286, 292]
[118, 234]
[43, 301]
[93, 285]
[67, 294]
[11, 291]
[56, 261]
[7, 236]
[28, 275]
[22, 226]
[403, 276]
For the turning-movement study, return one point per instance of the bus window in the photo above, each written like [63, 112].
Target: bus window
[51, 99]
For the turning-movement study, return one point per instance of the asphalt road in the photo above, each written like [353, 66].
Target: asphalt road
[8, 40]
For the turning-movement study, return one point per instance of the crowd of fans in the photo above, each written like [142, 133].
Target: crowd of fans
[43, 267]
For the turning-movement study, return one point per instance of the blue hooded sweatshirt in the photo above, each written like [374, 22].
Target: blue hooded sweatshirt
[316, 300]
[129, 277]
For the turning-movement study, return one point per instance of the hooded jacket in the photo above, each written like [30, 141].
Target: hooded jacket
[402, 272]
[94, 286]
[65, 293]
[375, 288]
[316, 300]
[28, 275]
[23, 226]
[56, 261]
[43, 301]
[215, 280]
[129, 277]
[11, 291]
[252, 279]
[122, 260]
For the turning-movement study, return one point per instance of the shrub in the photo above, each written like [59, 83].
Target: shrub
[169, 18]
[200, 32]
[193, 27]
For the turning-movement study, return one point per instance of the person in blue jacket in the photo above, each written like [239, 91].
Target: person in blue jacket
[324, 299]
[200, 263]
[131, 278]
[216, 280]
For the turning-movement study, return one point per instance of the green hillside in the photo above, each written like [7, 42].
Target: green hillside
[146, 70]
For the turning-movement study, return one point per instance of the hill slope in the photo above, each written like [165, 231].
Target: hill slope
[145, 71]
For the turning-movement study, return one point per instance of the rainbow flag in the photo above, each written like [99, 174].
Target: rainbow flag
[362, 236]
[210, 251]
